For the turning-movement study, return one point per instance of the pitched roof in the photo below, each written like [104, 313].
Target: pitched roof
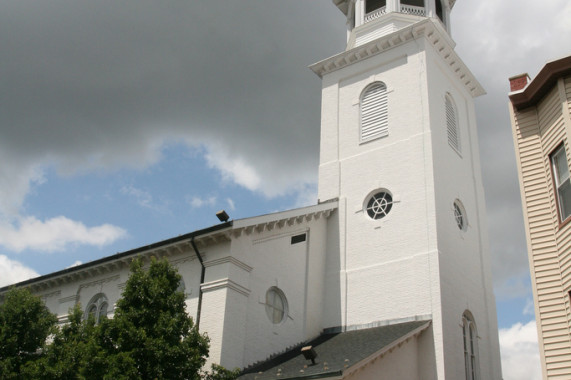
[203, 236]
[337, 353]
[541, 84]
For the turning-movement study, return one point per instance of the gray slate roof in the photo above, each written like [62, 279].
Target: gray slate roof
[336, 352]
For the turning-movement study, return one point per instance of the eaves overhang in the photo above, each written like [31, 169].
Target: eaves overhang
[279, 220]
[428, 28]
[541, 84]
[162, 248]
[219, 233]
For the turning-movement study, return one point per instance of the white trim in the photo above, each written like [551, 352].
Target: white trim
[222, 284]
[431, 29]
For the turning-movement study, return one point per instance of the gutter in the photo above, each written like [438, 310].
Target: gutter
[202, 273]
[133, 252]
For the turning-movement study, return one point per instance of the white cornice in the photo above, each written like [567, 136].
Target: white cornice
[224, 283]
[428, 29]
[228, 259]
[111, 265]
[283, 219]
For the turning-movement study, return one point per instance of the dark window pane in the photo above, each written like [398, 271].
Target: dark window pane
[372, 5]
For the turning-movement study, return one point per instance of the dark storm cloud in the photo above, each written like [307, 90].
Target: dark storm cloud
[101, 83]
[497, 44]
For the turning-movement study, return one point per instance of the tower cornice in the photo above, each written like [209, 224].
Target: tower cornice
[428, 28]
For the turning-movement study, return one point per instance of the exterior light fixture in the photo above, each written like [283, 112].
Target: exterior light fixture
[222, 216]
[309, 353]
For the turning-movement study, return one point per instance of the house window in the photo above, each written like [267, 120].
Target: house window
[97, 307]
[379, 205]
[560, 170]
[276, 305]
[470, 336]
[372, 5]
[452, 124]
[460, 215]
[374, 112]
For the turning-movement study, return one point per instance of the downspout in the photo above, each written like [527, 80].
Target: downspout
[202, 272]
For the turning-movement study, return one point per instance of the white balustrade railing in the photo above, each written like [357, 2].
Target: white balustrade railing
[412, 10]
[404, 8]
[375, 14]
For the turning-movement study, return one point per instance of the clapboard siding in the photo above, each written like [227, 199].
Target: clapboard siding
[537, 132]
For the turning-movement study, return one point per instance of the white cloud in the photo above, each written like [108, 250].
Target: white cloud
[16, 179]
[12, 271]
[55, 234]
[520, 353]
[197, 202]
[75, 264]
[143, 198]
[233, 169]
[231, 204]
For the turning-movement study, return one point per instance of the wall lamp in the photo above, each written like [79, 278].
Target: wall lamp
[222, 216]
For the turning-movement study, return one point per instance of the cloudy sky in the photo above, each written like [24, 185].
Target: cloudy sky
[124, 123]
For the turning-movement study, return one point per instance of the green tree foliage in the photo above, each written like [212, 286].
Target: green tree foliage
[73, 352]
[220, 373]
[25, 324]
[150, 336]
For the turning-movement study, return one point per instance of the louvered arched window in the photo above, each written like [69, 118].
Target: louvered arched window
[374, 112]
[452, 124]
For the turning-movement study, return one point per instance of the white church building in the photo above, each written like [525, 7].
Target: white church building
[388, 275]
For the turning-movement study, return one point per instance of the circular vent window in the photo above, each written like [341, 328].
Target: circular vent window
[276, 305]
[460, 215]
[379, 205]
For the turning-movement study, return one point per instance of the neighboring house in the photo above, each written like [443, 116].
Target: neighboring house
[541, 124]
[388, 275]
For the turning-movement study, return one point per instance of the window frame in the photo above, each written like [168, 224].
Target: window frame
[271, 308]
[381, 100]
[554, 179]
[372, 205]
[450, 109]
[98, 301]
[470, 344]
[458, 208]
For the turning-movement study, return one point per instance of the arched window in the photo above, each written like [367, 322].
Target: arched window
[373, 5]
[374, 112]
[470, 334]
[452, 124]
[97, 307]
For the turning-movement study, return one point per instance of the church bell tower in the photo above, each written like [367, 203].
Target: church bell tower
[399, 151]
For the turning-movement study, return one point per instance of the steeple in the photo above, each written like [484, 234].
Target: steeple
[371, 19]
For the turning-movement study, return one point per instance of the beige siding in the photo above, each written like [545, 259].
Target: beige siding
[537, 132]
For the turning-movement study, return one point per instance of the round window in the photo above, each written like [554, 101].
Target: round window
[460, 215]
[276, 305]
[379, 205]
